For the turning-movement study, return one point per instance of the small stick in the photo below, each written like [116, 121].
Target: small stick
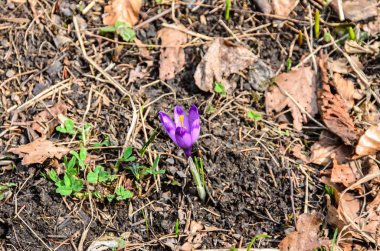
[340, 10]
[88, 7]
[192, 33]
[229, 30]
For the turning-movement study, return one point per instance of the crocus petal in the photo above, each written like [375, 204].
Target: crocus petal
[193, 114]
[178, 112]
[183, 138]
[168, 125]
[194, 121]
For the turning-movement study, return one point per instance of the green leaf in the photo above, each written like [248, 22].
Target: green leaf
[69, 125]
[67, 181]
[64, 191]
[61, 129]
[127, 152]
[111, 197]
[123, 193]
[53, 175]
[256, 116]
[107, 29]
[219, 88]
[77, 185]
[83, 153]
[150, 140]
[125, 31]
[92, 177]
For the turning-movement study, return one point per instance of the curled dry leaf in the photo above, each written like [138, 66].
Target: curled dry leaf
[352, 47]
[356, 10]
[284, 7]
[345, 173]
[370, 113]
[301, 86]
[341, 65]
[172, 58]
[38, 151]
[327, 146]
[347, 90]
[222, 59]
[369, 142]
[307, 235]
[122, 10]
[46, 121]
[333, 109]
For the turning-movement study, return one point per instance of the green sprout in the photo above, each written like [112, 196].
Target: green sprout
[123, 193]
[316, 25]
[288, 64]
[257, 236]
[67, 127]
[197, 171]
[219, 88]
[227, 10]
[255, 116]
[300, 38]
[327, 37]
[150, 140]
[351, 33]
[334, 239]
[99, 175]
[121, 28]
[177, 228]
[4, 189]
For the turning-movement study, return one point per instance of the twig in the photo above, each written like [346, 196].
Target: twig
[110, 78]
[154, 18]
[340, 10]
[229, 30]
[185, 30]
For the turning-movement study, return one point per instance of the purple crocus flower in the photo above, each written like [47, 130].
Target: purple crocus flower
[185, 129]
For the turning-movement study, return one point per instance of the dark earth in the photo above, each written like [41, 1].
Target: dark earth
[255, 186]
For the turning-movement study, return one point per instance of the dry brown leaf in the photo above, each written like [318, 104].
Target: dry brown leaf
[369, 142]
[373, 28]
[46, 121]
[370, 113]
[344, 173]
[284, 7]
[301, 85]
[333, 109]
[341, 65]
[356, 10]
[144, 52]
[346, 89]
[172, 58]
[222, 59]
[327, 146]
[307, 235]
[352, 47]
[297, 152]
[263, 5]
[38, 151]
[122, 10]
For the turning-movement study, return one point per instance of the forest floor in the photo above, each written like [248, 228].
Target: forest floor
[280, 130]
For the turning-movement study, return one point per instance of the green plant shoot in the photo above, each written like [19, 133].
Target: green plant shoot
[219, 88]
[351, 33]
[227, 10]
[316, 25]
[257, 236]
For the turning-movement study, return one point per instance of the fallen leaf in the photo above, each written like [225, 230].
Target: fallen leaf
[46, 121]
[352, 47]
[301, 85]
[122, 10]
[144, 52]
[195, 227]
[38, 151]
[222, 59]
[284, 7]
[349, 208]
[341, 65]
[373, 28]
[327, 146]
[297, 152]
[307, 235]
[370, 113]
[369, 142]
[346, 89]
[356, 10]
[333, 109]
[263, 5]
[172, 58]
[344, 173]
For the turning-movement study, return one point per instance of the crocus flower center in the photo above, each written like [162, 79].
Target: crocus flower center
[182, 119]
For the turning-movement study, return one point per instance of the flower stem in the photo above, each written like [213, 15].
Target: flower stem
[197, 179]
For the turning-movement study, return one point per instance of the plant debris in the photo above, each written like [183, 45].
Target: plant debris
[38, 151]
[298, 86]
[172, 57]
[122, 10]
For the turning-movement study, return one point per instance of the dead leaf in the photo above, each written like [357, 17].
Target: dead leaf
[344, 173]
[195, 227]
[263, 5]
[297, 152]
[369, 142]
[222, 59]
[333, 109]
[307, 235]
[356, 10]
[38, 151]
[172, 58]
[370, 113]
[122, 10]
[301, 85]
[373, 28]
[46, 121]
[144, 52]
[341, 65]
[346, 89]
[352, 47]
[284, 7]
[327, 146]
